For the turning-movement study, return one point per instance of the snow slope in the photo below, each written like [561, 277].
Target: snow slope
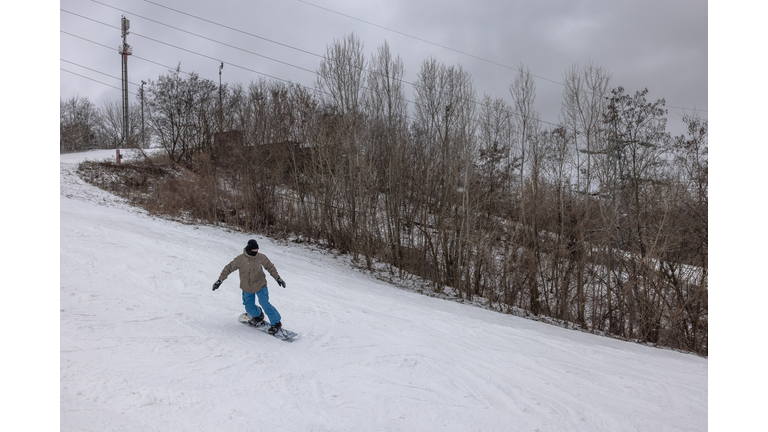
[146, 345]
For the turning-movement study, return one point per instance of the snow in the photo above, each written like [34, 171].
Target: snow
[145, 344]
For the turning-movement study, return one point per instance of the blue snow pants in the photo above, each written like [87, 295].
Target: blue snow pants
[249, 301]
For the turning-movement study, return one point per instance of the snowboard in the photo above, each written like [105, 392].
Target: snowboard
[282, 334]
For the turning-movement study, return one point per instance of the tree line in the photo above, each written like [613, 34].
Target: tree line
[600, 220]
[84, 126]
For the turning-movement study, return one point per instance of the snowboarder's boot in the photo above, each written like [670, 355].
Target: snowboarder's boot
[256, 321]
[275, 327]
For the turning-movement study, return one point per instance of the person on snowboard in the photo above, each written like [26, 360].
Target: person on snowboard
[253, 282]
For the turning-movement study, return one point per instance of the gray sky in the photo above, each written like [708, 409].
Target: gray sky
[658, 44]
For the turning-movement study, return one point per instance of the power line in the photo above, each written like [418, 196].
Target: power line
[250, 52]
[228, 27]
[164, 65]
[241, 67]
[684, 108]
[212, 40]
[292, 47]
[320, 56]
[446, 47]
[94, 70]
[183, 49]
[173, 46]
[222, 43]
[95, 80]
[134, 56]
[422, 40]
[282, 44]
[251, 70]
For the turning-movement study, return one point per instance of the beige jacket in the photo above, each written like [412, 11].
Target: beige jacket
[252, 277]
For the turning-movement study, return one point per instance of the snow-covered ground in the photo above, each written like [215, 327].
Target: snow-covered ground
[145, 345]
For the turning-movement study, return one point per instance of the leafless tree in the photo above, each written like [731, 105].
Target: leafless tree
[182, 114]
[78, 124]
[584, 103]
[527, 125]
[339, 83]
[386, 108]
[445, 118]
[497, 154]
[111, 129]
[341, 73]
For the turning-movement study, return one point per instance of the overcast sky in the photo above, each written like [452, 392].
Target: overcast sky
[658, 44]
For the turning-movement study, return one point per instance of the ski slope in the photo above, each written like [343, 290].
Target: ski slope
[146, 345]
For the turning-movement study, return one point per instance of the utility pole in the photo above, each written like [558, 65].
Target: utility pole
[125, 50]
[143, 138]
[221, 107]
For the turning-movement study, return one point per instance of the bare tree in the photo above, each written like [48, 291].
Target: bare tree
[584, 102]
[633, 156]
[445, 117]
[527, 125]
[685, 266]
[78, 124]
[497, 155]
[340, 75]
[182, 113]
[111, 124]
[692, 162]
[559, 165]
[386, 107]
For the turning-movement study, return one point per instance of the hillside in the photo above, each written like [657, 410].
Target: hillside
[146, 345]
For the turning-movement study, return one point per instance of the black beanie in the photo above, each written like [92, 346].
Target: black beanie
[251, 245]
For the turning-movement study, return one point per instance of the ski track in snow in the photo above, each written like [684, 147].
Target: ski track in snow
[146, 345]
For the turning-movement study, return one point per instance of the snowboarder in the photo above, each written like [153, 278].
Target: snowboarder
[253, 282]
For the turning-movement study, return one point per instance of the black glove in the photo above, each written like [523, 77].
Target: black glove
[216, 285]
[280, 282]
